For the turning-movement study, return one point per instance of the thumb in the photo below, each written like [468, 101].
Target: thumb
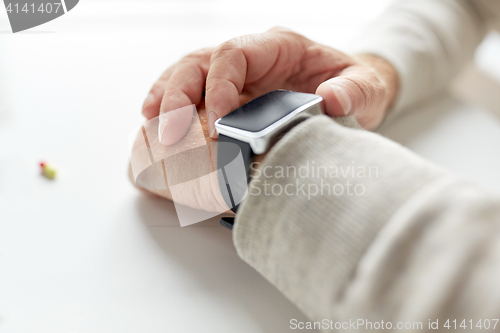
[359, 93]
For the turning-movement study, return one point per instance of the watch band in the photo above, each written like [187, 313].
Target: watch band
[227, 222]
[256, 125]
[231, 180]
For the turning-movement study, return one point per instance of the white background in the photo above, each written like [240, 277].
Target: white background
[87, 252]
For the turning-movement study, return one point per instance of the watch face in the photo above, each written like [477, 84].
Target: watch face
[265, 110]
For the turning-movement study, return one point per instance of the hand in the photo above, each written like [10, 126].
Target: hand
[189, 165]
[245, 67]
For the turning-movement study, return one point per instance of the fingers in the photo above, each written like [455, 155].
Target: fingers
[179, 87]
[225, 82]
[358, 92]
[365, 90]
[184, 88]
[236, 62]
[151, 105]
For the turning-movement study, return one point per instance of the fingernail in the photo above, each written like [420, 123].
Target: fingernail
[343, 98]
[148, 101]
[174, 125]
[163, 121]
[212, 117]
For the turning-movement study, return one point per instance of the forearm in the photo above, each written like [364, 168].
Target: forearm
[434, 261]
[427, 42]
[409, 242]
[308, 243]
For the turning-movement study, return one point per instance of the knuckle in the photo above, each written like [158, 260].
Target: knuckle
[278, 28]
[283, 31]
[227, 46]
[171, 97]
[197, 56]
[202, 52]
[188, 58]
[237, 44]
[157, 88]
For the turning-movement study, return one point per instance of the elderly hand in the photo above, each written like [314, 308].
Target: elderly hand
[183, 172]
[245, 67]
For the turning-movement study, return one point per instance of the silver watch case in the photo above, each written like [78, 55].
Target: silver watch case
[262, 140]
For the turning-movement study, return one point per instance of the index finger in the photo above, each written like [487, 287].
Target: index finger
[235, 62]
[183, 88]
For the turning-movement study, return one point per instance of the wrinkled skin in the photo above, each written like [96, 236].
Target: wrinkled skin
[199, 192]
[246, 67]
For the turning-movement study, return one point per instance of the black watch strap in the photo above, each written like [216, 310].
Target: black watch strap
[233, 183]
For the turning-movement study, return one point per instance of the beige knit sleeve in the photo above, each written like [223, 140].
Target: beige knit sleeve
[428, 42]
[358, 227]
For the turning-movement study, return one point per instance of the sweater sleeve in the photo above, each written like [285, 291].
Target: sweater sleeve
[428, 42]
[357, 227]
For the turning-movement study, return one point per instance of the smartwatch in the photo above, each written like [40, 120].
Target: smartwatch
[251, 130]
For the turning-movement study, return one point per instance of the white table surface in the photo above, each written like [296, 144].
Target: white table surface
[87, 252]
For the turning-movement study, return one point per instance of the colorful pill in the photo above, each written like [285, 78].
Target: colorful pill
[48, 171]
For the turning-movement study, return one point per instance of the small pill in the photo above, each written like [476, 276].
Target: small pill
[48, 171]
